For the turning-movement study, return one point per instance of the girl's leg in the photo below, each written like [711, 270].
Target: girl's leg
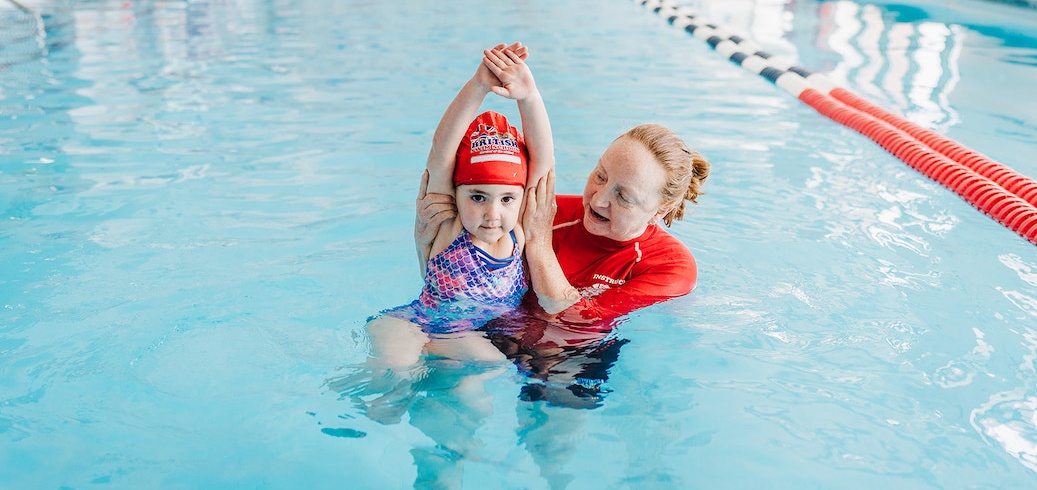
[395, 342]
[464, 346]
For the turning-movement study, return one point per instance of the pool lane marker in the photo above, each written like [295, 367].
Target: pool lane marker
[993, 188]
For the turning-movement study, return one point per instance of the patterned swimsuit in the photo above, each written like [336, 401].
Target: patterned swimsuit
[461, 292]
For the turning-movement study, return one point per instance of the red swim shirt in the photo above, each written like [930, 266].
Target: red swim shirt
[616, 278]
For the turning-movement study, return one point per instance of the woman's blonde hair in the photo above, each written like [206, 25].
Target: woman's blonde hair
[686, 170]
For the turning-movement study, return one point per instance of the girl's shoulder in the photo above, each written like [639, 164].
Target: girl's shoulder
[448, 232]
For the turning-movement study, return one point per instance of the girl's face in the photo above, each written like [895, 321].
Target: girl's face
[624, 192]
[489, 211]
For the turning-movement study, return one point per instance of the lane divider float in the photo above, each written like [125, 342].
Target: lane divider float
[993, 188]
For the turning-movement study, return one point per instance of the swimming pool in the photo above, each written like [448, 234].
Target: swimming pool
[204, 201]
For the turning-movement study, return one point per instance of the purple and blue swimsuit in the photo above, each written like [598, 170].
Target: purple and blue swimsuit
[465, 287]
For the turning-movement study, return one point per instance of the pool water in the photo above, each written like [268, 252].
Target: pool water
[203, 202]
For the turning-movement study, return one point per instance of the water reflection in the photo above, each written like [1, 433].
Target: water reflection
[1009, 418]
[444, 399]
[913, 63]
[562, 371]
[884, 55]
[565, 365]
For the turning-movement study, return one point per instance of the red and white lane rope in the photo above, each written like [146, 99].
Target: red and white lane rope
[997, 190]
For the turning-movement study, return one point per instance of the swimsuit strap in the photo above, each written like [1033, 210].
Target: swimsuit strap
[493, 263]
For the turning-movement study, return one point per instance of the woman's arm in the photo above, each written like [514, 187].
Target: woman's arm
[661, 283]
[553, 290]
[432, 211]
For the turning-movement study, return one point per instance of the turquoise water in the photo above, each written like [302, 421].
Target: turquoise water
[202, 202]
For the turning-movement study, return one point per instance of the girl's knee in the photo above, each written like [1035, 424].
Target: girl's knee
[395, 342]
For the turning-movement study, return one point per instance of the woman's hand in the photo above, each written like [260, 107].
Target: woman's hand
[554, 293]
[539, 215]
[432, 211]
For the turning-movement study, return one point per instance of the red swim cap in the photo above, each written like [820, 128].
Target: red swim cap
[491, 152]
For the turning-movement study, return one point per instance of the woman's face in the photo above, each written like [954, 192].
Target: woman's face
[624, 192]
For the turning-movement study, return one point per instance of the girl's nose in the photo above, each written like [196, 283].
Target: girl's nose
[493, 211]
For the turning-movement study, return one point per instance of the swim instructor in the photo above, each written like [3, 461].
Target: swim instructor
[596, 257]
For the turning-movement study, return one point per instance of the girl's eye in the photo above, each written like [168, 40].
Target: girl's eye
[507, 199]
[478, 198]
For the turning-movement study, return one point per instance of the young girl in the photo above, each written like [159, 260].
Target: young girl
[476, 271]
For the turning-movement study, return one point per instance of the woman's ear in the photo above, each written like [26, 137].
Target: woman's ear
[665, 209]
[658, 216]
